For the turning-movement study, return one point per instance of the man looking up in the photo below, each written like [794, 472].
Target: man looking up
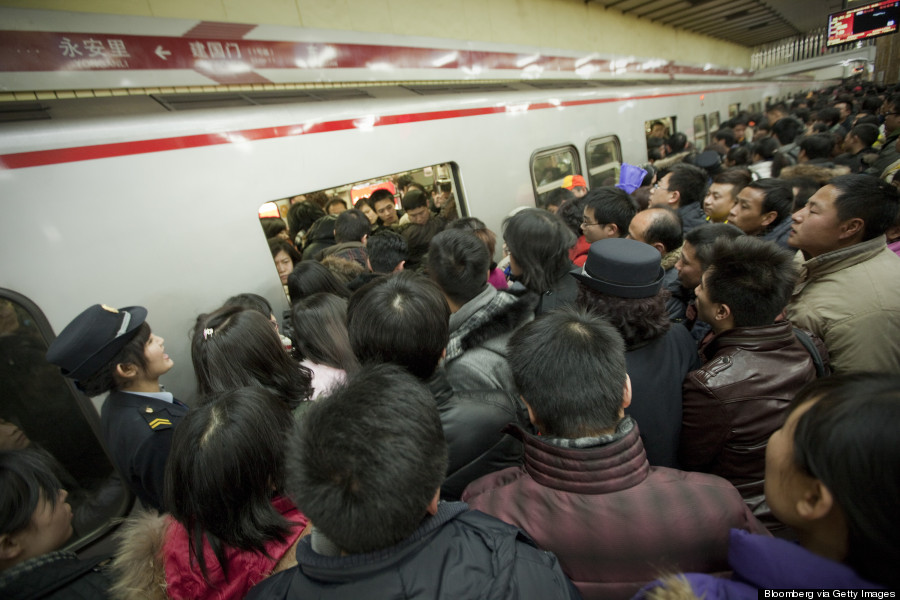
[681, 189]
[607, 213]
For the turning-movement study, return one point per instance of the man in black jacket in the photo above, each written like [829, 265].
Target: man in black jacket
[366, 468]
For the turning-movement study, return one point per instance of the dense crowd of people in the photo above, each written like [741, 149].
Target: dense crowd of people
[687, 386]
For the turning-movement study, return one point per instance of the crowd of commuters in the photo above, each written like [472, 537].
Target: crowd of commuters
[649, 389]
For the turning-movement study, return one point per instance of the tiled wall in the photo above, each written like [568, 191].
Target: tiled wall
[562, 24]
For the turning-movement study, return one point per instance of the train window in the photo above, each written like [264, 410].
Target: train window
[308, 234]
[714, 121]
[41, 409]
[604, 160]
[733, 110]
[550, 167]
[755, 108]
[652, 128]
[700, 133]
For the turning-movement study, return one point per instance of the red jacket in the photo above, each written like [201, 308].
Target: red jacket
[579, 252]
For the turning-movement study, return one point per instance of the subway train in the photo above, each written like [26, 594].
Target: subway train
[154, 199]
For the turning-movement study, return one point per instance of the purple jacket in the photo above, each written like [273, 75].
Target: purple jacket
[614, 521]
[764, 562]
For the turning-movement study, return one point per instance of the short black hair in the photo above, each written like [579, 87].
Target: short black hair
[366, 461]
[351, 225]
[557, 196]
[539, 242]
[867, 198]
[665, 228]
[753, 277]
[787, 129]
[677, 142]
[739, 177]
[702, 239]
[866, 132]
[414, 199]
[847, 440]
[458, 262]
[689, 181]
[381, 194]
[765, 147]
[739, 155]
[106, 379]
[779, 197]
[227, 458]
[818, 145]
[570, 368]
[386, 250]
[611, 205]
[403, 319]
[26, 478]
[309, 277]
[333, 201]
[272, 226]
[726, 134]
[571, 211]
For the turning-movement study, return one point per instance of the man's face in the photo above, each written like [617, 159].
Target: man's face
[688, 267]
[385, 209]
[747, 212]
[706, 309]
[739, 131]
[844, 109]
[637, 229]
[660, 196]
[419, 216]
[594, 231]
[891, 117]
[718, 202]
[817, 228]
[658, 131]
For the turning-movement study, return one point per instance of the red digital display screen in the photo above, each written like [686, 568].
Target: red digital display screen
[862, 23]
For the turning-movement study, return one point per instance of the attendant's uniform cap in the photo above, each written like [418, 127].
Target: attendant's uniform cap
[623, 268]
[93, 338]
[573, 181]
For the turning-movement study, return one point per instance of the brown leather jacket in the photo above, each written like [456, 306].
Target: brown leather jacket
[737, 399]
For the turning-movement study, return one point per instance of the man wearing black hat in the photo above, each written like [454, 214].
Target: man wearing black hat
[113, 350]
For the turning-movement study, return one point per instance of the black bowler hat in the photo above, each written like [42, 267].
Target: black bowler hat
[93, 338]
[623, 268]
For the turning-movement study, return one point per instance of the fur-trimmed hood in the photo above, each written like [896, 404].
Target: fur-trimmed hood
[138, 570]
[489, 315]
[821, 173]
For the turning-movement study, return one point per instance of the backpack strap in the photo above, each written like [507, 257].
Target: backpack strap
[810, 346]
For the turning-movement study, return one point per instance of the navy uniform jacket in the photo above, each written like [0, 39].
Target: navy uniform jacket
[138, 432]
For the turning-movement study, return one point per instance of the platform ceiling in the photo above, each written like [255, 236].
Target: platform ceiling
[745, 22]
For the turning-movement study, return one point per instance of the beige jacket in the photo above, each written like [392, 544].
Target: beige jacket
[851, 299]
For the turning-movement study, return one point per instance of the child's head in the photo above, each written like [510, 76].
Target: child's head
[34, 516]
[105, 349]
[833, 471]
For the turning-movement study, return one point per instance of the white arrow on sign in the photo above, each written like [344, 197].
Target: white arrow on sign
[162, 53]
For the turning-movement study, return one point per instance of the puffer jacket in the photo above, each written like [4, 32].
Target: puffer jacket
[457, 553]
[737, 399]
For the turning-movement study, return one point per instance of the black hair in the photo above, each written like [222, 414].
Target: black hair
[571, 211]
[557, 196]
[871, 104]
[739, 155]
[386, 250]
[739, 177]
[232, 347]
[702, 239]
[611, 205]
[310, 277]
[301, 216]
[380, 194]
[272, 226]
[787, 129]
[334, 201]
[868, 198]
[227, 457]
[753, 277]
[319, 331]
[689, 181]
[765, 148]
[830, 115]
[351, 225]
[677, 142]
[818, 145]
[726, 134]
[251, 302]
[868, 120]
[403, 181]
[638, 320]
[847, 440]
[414, 199]
[539, 242]
[277, 245]
[569, 366]
[779, 197]
[665, 228]
[867, 133]
[403, 319]
[366, 462]
[26, 478]
[458, 262]
[477, 226]
[106, 379]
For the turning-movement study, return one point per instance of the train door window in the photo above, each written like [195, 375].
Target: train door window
[662, 128]
[755, 108]
[604, 160]
[309, 216]
[713, 122]
[550, 167]
[42, 410]
[733, 110]
[701, 135]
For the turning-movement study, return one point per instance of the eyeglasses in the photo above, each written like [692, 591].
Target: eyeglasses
[656, 186]
[586, 224]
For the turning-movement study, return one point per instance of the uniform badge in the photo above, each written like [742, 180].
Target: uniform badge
[157, 421]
